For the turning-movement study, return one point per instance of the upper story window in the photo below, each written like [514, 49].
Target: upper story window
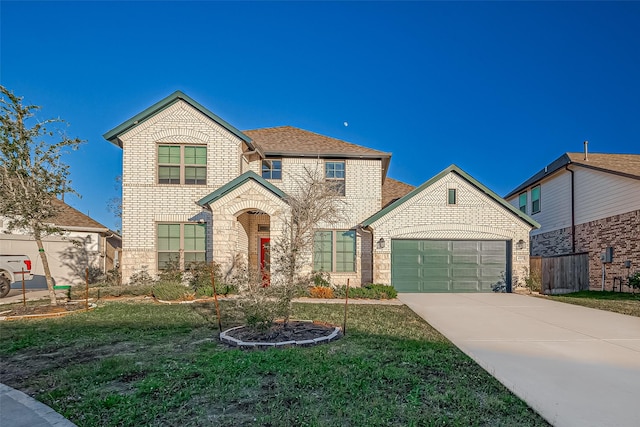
[535, 199]
[452, 196]
[522, 202]
[272, 169]
[182, 164]
[334, 173]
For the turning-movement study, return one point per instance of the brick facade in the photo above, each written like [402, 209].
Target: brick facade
[427, 215]
[233, 218]
[621, 232]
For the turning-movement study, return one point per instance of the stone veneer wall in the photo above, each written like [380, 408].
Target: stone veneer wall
[622, 232]
[556, 242]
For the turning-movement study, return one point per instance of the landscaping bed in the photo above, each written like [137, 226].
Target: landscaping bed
[41, 309]
[144, 363]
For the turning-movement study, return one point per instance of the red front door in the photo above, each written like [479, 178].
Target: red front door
[265, 260]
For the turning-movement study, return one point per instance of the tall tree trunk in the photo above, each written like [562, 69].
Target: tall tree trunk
[47, 271]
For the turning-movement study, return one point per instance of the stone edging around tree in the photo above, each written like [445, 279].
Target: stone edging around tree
[234, 342]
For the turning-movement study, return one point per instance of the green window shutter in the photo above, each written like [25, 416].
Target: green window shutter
[323, 251]
[345, 251]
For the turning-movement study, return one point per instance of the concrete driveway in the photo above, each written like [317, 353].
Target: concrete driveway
[575, 366]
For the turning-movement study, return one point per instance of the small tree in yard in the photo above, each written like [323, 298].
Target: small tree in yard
[314, 203]
[31, 171]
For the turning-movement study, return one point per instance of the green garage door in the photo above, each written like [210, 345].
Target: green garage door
[448, 265]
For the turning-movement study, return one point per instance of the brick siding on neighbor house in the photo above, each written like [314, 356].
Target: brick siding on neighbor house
[621, 232]
[427, 215]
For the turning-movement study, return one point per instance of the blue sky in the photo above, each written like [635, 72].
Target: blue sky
[498, 88]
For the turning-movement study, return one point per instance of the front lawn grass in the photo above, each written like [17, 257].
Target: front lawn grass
[618, 302]
[145, 364]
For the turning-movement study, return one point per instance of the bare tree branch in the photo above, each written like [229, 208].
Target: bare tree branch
[33, 172]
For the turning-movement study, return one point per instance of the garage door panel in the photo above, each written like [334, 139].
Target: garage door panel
[466, 286]
[434, 260]
[447, 266]
[435, 273]
[491, 272]
[458, 272]
[436, 286]
[465, 259]
[492, 259]
[407, 260]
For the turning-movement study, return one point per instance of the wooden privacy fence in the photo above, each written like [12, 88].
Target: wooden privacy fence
[563, 274]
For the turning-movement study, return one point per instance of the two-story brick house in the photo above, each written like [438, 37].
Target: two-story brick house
[586, 202]
[195, 188]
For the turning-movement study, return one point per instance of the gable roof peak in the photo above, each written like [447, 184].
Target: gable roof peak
[458, 171]
[114, 134]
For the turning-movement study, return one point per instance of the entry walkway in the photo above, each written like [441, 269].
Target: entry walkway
[575, 366]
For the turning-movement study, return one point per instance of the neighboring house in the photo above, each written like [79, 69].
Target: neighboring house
[82, 242]
[586, 202]
[195, 188]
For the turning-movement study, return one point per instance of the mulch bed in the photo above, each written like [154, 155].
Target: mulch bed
[30, 310]
[279, 332]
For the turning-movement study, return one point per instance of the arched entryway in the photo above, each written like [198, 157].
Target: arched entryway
[254, 241]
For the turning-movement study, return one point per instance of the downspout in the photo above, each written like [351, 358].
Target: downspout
[573, 211]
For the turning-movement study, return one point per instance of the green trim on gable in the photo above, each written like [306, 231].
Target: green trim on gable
[114, 134]
[455, 169]
[237, 182]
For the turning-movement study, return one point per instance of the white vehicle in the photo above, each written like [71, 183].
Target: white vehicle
[12, 269]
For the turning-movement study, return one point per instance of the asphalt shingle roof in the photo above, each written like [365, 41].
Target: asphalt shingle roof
[618, 164]
[393, 190]
[627, 164]
[71, 217]
[294, 141]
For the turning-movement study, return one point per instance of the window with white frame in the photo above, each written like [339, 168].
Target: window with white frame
[182, 164]
[181, 245]
[334, 251]
[535, 199]
[334, 174]
[272, 169]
